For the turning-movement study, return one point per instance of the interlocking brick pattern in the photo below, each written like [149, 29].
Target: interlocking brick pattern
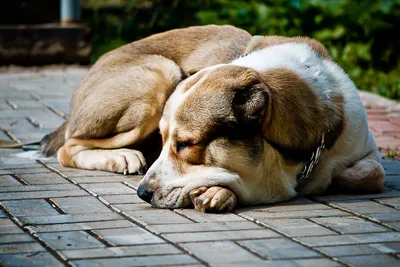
[384, 121]
[56, 216]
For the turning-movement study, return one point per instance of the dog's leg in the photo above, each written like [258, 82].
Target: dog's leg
[98, 154]
[213, 199]
[365, 175]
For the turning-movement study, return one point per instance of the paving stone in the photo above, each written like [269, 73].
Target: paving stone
[386, 217]
[278, 248]
[30, 207]
[350, 225]
[109, 188]
[387, 192]
[70, 240]
[293, 214]
[82, 226]
[105, 179]
[75, 205]
[157, 216]
[123, 199]
[20, 171]
[60, 104]
[8, 227]
[8, 180]
[297, 204]
[202, 227]
[392, 167]
[351, 239]
[57, 166]
[69, 218]
[143, 250]
[203, 217]
[297, 227]
[22, 126]
[9, 161]
[133, 207]
[51, 160]
[3, 136]
[37, 112]
[364, 249]
[384, 127]
[20, 248]
[129, 236]
[42, 194]
[4, 106]
[315, 262]
[221, 235]
[138, 261]
[393, 181]
[85, 173]
[394, 224]
[44, 178]
[375, 260]
[15, 238]
[27, 104]
[31, 188]
[34, 259]
[220, 252]
[364, 206]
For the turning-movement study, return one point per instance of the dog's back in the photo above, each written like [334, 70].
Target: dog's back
[116, 94]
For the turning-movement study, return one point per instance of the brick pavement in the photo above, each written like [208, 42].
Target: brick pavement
[56, 216]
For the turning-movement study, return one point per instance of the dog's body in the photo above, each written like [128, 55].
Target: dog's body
[251, 125]
[119, 102]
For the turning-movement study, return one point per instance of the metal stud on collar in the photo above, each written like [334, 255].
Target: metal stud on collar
[313, 161]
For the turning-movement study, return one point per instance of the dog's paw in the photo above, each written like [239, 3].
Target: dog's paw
[127, 161]
[213, 199]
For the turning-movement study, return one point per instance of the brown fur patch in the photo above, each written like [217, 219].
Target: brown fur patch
[297, 117]
[195, 48]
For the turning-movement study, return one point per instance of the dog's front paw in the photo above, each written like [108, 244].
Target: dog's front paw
[213, 199]
[126, 161]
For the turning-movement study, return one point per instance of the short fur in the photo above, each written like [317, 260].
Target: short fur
[251, 126]
[238, 131]
[120, 100]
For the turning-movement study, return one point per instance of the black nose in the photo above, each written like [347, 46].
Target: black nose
[144, 194]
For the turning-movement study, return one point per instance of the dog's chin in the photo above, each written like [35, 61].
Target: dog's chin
[174, 199]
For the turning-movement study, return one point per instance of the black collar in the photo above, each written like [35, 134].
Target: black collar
[312, 162]
[309, 157]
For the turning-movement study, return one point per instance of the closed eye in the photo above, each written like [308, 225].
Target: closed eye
[182, 145]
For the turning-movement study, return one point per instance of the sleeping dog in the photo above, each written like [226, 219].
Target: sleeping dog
[253, 120]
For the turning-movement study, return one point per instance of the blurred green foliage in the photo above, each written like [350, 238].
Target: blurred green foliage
[361, 35]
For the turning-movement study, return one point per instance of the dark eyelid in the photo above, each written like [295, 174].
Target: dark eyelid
[182, 145]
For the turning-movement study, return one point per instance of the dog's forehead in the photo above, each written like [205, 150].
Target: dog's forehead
[202, 99]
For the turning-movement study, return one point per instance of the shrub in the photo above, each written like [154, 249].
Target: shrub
[360, 35]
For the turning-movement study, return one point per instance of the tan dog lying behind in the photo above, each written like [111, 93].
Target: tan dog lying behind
[119, 102]
[243, 131]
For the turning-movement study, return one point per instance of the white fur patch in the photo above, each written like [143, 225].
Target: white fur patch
[299, 58]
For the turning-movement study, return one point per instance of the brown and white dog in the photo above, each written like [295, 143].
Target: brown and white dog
[282, 120]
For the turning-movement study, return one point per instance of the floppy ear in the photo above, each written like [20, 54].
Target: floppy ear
[250, 103]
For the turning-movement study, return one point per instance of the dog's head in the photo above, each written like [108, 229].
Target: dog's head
[211, 131]
[231, 126]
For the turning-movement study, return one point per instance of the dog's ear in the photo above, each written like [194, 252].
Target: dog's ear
[250, 103]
